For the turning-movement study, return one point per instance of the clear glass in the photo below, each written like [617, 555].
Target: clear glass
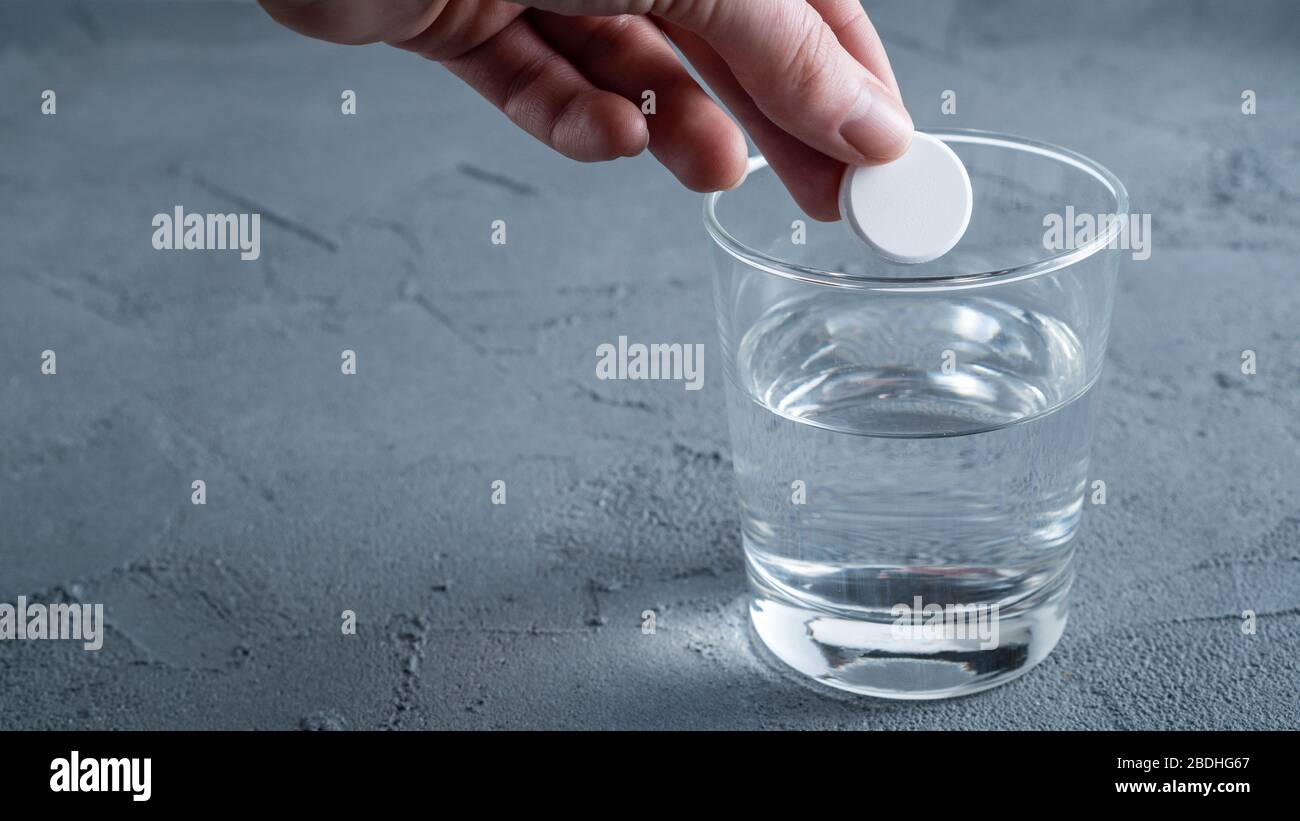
[911, 442]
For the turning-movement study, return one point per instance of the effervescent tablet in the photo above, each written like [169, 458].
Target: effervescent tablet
[914, 209]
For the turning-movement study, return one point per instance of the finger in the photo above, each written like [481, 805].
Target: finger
[689, 134]
[800, 77]
[812, 178]
[851, 26]
[546, 96]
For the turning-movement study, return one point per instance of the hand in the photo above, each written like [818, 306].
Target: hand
[809, 80]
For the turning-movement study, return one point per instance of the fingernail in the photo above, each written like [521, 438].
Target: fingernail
[880, 128]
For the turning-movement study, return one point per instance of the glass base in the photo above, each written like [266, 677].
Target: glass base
[910, 661]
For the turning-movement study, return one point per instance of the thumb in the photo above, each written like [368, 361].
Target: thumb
[791, 64]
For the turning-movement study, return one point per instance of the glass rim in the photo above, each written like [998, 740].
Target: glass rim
[1046, 265]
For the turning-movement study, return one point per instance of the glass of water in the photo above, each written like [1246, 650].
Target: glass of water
[911, 441]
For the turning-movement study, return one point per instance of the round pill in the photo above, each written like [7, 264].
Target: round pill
[913, 209]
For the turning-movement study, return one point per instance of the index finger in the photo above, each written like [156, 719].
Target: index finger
[849, 21]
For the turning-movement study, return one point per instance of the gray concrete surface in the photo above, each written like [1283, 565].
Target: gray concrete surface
[476, 363]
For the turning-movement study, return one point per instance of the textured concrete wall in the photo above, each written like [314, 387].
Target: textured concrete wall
[476, 363]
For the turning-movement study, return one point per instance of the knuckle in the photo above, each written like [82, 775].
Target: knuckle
[608, 42]
[520, 102]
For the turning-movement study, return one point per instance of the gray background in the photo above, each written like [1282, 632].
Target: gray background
[476, 362]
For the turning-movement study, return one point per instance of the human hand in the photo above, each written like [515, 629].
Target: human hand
[808, 79]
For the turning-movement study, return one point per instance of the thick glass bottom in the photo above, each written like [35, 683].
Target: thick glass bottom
[916, 654]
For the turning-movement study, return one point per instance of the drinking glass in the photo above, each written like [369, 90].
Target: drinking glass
[911, 442]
